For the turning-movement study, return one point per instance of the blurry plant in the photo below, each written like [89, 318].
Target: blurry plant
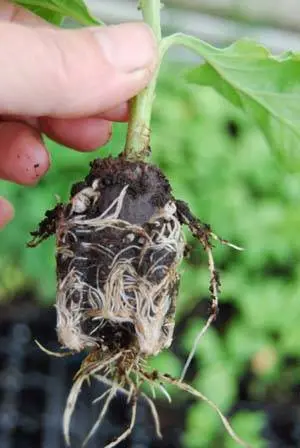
[54, 11]
[249, 197]
[219, 163]
[237, 185]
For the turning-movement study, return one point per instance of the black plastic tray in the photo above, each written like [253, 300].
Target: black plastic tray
[34, 388]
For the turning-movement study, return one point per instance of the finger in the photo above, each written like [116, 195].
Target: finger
[23, 157]
[119, 113]
[6, 212]
[73, 73]
[32, 121]
[83, 134]
[11, 12]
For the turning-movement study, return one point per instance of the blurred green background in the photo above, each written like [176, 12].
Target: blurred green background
[219, 163]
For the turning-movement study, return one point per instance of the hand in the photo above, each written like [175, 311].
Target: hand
[68, 84]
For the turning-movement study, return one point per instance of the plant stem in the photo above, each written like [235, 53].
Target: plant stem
[138, 134]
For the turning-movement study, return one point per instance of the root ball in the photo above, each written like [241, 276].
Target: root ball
[119, 244]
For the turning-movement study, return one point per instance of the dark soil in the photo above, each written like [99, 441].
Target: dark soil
[148, 191]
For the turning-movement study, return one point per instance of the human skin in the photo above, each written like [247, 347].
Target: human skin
[68, 84]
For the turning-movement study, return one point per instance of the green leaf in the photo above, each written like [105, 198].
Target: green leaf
[51, 16]
[54, 11]
[266, 87]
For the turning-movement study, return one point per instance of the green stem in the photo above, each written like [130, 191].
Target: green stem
[138, 134]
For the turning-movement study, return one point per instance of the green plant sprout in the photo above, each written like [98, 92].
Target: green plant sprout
[241, 73]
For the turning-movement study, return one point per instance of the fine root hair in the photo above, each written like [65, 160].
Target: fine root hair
[125, 373]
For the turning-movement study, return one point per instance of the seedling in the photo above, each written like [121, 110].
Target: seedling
[120, 241]
[119, 246]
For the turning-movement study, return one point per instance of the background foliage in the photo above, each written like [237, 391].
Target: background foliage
[220, 164]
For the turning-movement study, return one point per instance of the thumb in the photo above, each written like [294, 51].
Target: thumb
[72, 73]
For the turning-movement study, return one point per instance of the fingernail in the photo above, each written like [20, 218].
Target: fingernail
[128, 47]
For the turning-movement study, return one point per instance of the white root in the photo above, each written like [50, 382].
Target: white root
[92, 371]
[93, 368]
[195, 345]
[153, 384]
[128, 431]
[126, 296]
[203, 233]
[225, 242]
[102, 414]
[70, 406]
[212, 317]
[131, 389]
[166, 393]
[154, 415]
[152, 389]
[50, 353]
[102, 396]
[185, 387]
